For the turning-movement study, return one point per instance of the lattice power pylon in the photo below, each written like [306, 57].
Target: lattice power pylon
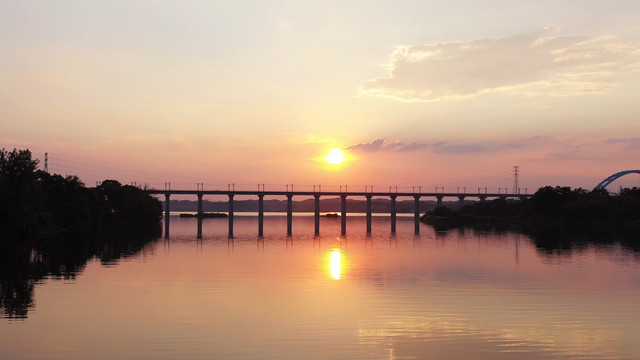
[516, 184]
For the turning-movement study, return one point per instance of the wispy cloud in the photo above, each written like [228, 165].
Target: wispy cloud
[375, 145]
[461, 148]
[412, 146]
[629, 143]
[528, 64]
[451, 147]
[382, 145]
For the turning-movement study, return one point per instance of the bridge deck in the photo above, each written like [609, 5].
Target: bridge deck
[317, 194]
[333, 193]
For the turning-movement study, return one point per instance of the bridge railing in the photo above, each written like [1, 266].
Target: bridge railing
[345, 192]
[332, 188]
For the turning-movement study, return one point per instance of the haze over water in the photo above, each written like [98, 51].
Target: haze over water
[455, 295]
[417, 96]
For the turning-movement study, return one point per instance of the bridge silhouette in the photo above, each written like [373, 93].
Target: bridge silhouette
[439, 196]
[606, 182]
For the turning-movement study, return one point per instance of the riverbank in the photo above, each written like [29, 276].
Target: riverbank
[36, 206]
[551, 210]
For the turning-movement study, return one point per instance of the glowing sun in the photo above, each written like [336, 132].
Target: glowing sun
[335, 156]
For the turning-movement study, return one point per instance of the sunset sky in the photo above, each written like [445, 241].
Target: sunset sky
[416, 93]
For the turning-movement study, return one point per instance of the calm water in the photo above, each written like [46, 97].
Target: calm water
[459, 295]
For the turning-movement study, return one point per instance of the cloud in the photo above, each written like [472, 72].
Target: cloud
[629, 143]
[412, 146]
[461, 148]
[452, 147]
[528, 64]
[381, 145]
[481, 147]
[374, 145]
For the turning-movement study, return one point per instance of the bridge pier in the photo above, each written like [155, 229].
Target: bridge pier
[317, 194]
[199, 216]
[231, 216]
[289, 214]
[393, 214]
[343, 215]
[368, 214]
[260, 215]
[317, 214]
[167, 212]
[416, 213]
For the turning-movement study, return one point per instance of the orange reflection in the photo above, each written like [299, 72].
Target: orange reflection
[335, 264]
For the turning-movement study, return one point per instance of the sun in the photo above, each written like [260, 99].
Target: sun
[335, 156]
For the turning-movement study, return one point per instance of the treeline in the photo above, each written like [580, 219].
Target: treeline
[36, 205]
[51, 225]
[550, 210]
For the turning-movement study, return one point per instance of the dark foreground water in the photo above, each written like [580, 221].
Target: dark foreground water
[455, 295]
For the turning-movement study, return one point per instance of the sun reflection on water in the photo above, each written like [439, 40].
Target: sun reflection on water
[335, 264]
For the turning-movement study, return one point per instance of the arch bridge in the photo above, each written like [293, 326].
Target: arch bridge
[606, 182]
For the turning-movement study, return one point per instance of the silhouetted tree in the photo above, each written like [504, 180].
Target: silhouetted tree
[51, 225]
[20, 197]
[552, 211]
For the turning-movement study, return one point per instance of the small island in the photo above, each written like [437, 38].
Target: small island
[205, 215]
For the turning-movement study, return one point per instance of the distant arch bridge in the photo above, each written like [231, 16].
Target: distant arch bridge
[604, 183]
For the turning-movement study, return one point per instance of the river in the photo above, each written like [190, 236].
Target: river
[459, 294]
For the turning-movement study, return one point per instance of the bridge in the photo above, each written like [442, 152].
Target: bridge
[606, 182]
[316, 195]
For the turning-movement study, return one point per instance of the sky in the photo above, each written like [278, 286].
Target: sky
[416, 93]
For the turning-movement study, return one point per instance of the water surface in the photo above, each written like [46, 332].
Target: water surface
[455, 295]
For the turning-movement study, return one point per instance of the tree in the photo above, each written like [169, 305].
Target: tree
[20, 198]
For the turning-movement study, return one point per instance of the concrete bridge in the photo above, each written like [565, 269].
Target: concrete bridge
[316, 195]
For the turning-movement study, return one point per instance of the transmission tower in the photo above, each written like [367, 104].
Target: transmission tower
[46, 162]
[516, 184]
